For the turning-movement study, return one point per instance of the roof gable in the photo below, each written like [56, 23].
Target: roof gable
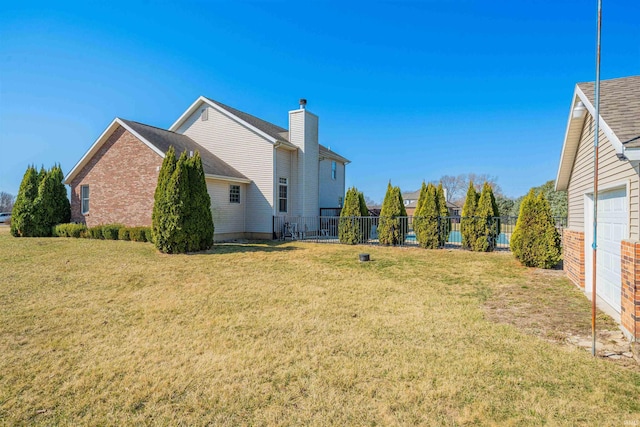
[163, 139]
[619, 121]
[271, 132]
[619, 106]
[159, 141]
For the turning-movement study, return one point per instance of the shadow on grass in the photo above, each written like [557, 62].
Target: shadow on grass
[250, 246]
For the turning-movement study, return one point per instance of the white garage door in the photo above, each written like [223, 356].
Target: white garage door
[613, 219]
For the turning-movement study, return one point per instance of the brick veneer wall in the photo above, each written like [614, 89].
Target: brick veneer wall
[573, 256]
[122, 178]
[630, 304]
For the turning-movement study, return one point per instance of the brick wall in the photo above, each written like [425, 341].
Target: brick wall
[573, 256]
[630, 304]
[122, 178]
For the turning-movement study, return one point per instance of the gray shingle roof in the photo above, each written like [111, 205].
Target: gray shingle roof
[270, 129]
[274, 131]
[415, 195]
[619, 107]
[163, 139]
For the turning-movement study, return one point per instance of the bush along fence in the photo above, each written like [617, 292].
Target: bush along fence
[449, 231]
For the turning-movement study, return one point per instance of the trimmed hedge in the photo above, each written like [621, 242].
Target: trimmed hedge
[123, 233]
[69, 230]
[110, 231]
[95, 232]
[139, 234]
[104, 232]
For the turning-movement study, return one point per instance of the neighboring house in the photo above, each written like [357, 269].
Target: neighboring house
[254, 169]
[410, 200]
[618, 243]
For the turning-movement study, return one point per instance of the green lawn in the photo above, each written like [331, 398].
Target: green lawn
[110, 332]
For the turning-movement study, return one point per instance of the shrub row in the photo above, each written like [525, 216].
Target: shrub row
[104, 232]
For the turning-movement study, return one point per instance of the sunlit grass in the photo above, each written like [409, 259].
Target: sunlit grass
[110, 332]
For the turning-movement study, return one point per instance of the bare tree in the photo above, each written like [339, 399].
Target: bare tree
[454, 186]
[6, 201]
[480, 179]
[370, 202]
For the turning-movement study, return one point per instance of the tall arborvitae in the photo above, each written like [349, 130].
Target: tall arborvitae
[43, 206]
[393, 218]
[22, 218]
[467, 222]
[42, 203]
[418, 219]
[488, 226]
[199, 222]
[182, 219]
[160, 204]
[444, 220]
[365, 220]
[350, 231]
[426, 215]
[535, 240]
[61, 205]
[177, 198]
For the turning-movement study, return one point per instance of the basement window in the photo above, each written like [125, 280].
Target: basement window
[84, 197]
[234, 194]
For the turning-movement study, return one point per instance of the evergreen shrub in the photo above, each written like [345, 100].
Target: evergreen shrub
[393, 222]
[69, 230]
[352, 228]
[535, 241]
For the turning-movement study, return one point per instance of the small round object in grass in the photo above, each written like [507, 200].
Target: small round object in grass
[364, 257]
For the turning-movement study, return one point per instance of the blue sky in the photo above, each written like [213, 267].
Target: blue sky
[407, 90]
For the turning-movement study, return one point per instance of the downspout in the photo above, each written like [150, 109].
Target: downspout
[275, 175]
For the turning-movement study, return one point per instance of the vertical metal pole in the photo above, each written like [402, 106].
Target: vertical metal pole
[595, 183]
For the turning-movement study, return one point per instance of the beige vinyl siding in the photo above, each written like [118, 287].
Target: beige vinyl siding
[303, 132]
[330, 190]
[227, 217]
[283, 170]
[247, 152]
[611, 173]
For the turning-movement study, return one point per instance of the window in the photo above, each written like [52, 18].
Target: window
[333, 170]
[84, 197]
[234, 194]
[282, 195]
[204, 114]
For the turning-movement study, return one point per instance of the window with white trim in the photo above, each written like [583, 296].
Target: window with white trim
[204, 114]
[84, 197]
[282, 194]
[234, 194]
[333, 170]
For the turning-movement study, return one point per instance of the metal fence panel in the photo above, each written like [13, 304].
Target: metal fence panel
[325, 229]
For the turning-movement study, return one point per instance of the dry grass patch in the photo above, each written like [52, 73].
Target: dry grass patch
[111, 332]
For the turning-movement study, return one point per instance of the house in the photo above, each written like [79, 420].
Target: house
[410, 200]
[618, 231]
[254, 170]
